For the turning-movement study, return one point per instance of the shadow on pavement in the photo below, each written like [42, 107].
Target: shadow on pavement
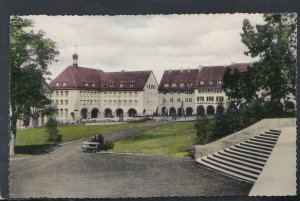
[36, 149]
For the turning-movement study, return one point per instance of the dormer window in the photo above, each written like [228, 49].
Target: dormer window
[121, 84]
[201, 82]
[111, 85]
[174, 85]
[57, 84]
[64, 84]
[181, 84]
[190, 84]
[210, 82]
[219, 82]
[86, 84]
[166, 85]
[93, 84]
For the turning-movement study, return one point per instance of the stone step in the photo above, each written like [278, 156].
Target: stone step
[238, 162]
[261, 147]
[263, 141]
[266, 138]
[249, 152]
[246, 176]
[260, 143]
[244, 158]
[276, 131]
[247, 156]
[272, 133]
[253, 149]
[268, 135]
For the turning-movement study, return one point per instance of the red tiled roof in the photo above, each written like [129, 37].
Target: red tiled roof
[130, 80]
[186, 77]
[93, 79]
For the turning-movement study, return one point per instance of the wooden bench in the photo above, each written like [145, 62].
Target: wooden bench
[89, 146]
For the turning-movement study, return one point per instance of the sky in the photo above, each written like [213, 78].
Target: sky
[150, 42]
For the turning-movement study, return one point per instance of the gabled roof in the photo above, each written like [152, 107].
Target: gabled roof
[184, 80]
[124, 80]
[93, 79]
[210, 76]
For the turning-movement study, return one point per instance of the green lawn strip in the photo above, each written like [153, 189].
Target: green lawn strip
[29, 140]
[165, 140]
[19, 156]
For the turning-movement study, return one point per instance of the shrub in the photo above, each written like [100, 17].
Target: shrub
[52, 131]
[204, 128]
[103, 145]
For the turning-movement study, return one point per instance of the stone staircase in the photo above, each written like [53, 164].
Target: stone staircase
[245, 160]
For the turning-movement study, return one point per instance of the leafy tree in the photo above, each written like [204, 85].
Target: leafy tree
[52, 131]
[274, 44]
[30, 55]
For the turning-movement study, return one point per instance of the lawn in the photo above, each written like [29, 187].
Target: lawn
[34, 140]
[165, 140]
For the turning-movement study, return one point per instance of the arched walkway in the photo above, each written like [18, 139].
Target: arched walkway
[220, 109]
[108, 113]
[132, 112]
[83, 113]
[94, 113]
[73, 116]
[180, 111]
[172, 111]
[164, 111]
[200, 110]
[189, 111]
[119, 112]
[289, 106]
[210, 110]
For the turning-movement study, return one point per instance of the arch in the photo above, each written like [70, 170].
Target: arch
[189, 111]
[132, 112]
[172, 111]
[289, 106]
[94, 113]
[119, 112]
[73, 116]
[164, 111]
[220, 109]
[108, 113]
[83, 113]
[180, 111]
[210, 110]
[200, 110]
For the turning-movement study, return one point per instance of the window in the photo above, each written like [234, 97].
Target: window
[209, 98]
[88, 93]
[201, 82]
[57, 93]
[64, 84]
[178, 100]
[130, 94]
[61, 93]
[125, 103]
[166, 85]
[61, 112]
[115, 102]
[105, 94]
[125, 94]
[66, 112]
[61, 102]
[80, 102]
[109, 102]
[174, 85]
[86, 84]
[122, 85]
[115, 94]
[91, 102]
[171, 100]
[111, 85]
[93, 84]
[200, 98]
[66, 93]
[119, 103]
[130, 102]
[220, 98]
[181, 85]
[190, 100]
[120, 94]
[105, 102]
[84, 93]
[131, 84]
[219, 82]
[66, 102]
[57, 84]
[109, 94]
[135, 102]
[190, 84]
[88, 102]
[56, 102]
[210, 82]
[135, 94]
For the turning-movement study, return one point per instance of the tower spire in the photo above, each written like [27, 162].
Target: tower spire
[75, 59]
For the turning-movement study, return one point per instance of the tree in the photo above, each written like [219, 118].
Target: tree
[274, 44]
[30, 55]
[52, 131]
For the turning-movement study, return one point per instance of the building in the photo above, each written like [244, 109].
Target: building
[189, 92]
[85, 93]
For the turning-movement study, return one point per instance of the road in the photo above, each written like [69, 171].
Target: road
[67, 173]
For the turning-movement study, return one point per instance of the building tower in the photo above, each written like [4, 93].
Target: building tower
[75, 60]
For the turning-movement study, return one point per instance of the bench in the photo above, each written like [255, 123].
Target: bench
[89, 147]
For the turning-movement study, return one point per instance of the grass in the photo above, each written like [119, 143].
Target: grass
[34, 141]
[165, 140]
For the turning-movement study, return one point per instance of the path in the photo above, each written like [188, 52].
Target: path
[65, 172]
